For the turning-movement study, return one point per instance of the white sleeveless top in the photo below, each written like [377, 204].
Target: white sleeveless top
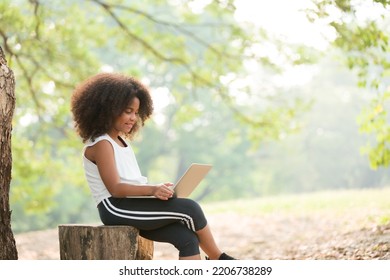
[126, 164]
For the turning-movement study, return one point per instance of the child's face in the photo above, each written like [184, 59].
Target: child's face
[128, 117]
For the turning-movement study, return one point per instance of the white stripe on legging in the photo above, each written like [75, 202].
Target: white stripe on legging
[159, 215]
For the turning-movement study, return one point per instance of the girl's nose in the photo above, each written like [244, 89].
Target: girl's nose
[133, 116]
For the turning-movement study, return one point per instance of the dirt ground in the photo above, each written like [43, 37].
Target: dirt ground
[262, 237]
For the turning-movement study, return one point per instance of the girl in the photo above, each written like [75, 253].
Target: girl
[108, 108]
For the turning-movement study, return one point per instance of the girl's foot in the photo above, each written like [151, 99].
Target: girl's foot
[223, 256]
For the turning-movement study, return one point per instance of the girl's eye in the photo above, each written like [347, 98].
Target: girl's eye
[129, 112]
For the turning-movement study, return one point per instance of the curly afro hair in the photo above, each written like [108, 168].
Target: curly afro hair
[99, 100]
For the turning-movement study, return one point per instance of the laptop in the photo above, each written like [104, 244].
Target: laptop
[187, 183]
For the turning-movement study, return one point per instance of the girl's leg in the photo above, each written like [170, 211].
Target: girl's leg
[154, 214]
[194, 258]
[208, 244]
[185, 240]
[150, 214]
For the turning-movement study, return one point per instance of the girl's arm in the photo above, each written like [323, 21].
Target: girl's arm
[103, 155]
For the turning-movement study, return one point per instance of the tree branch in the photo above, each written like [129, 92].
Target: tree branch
[144, 43]
[179, 27]
[27, 76]
[221, 91]
[169, 24]
[37, 18]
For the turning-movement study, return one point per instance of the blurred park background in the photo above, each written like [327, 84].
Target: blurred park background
[282, 97]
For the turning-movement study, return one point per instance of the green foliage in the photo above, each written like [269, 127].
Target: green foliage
[375, 120]
[365, 47]
[325, 152]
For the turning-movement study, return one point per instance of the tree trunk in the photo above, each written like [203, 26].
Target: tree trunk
[7, 105]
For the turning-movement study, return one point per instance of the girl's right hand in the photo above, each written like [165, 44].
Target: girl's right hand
[163, 191]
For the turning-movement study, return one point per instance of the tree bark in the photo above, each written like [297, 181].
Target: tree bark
[8, 249]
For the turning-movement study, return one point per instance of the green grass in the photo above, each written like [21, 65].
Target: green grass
[332, 202]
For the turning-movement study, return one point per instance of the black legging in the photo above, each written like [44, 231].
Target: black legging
[173, 221]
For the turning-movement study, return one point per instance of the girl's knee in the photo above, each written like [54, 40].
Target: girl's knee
[193, 209]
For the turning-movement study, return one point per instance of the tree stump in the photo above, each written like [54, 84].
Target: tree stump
[88, 242]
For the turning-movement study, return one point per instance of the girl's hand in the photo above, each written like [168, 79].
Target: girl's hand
[163, 191]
